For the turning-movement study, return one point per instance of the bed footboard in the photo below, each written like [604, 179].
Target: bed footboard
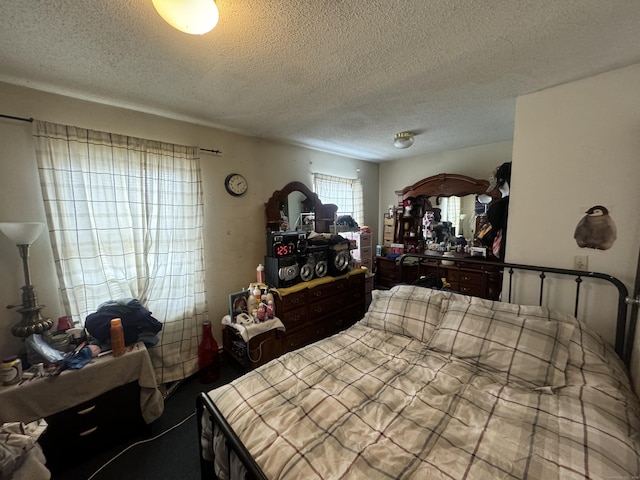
[204, 405]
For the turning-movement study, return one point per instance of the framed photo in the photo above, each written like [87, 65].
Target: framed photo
[238, 303]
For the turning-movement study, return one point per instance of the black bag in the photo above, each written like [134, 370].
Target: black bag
[429, 281]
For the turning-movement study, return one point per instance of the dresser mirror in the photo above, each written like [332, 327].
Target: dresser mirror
[451, 202]
[297, 208]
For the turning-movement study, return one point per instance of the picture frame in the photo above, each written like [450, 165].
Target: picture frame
[238, 303]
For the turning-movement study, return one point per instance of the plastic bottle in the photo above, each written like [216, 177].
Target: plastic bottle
[252, 304]
[270, 297]
[262, 313]
[117, 337]
[257, 294]
[260, 273]
[271, 310]
[208, 355]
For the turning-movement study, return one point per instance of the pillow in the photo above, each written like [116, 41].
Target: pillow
[533, 312]
[406, 310]
[531, 352]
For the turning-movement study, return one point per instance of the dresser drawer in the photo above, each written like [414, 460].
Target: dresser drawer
[329, 304]
[293, 318]
[366, 252]
[310, 334]
[365, 240]
[477, 290]
[347, 317]
[92, 425]
[356, 282]
[290, 301]
[328, 289]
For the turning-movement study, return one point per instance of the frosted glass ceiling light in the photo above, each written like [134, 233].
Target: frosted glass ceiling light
[195, 17]
[403, 140]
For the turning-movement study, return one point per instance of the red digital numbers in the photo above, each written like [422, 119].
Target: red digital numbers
[284, 250]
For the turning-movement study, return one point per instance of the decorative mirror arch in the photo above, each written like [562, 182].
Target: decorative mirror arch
[424, 195]
[299, 193]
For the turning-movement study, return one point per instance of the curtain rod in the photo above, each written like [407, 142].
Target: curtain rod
[215, 152]
[30, 120]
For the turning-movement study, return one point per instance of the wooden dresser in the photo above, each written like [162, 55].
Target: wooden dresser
[310, 311]
[479, 280]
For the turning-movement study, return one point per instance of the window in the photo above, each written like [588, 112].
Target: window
[125, 219]
[451, 211]
[346, 193]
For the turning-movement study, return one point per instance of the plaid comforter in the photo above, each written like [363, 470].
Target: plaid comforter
[373, 404]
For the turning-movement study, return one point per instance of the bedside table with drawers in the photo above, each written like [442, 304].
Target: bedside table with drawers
[88, 408]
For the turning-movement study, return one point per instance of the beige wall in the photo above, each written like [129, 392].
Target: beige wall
[235, 240]
[576, 146]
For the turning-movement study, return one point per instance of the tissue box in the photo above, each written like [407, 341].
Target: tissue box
[397, 248]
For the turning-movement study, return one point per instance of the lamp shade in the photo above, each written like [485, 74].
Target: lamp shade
[22, 233]
[195, 17]
[403, 140]
[484, 198]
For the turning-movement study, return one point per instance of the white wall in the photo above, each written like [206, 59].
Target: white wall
[234, 227]
[576, 146]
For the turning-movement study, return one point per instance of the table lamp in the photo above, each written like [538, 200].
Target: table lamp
[24, 234]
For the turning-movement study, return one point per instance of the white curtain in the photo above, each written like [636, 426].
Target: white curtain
[346, 193]
[451, 211]
[125, 219]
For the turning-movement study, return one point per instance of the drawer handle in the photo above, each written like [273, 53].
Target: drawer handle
[86, 410]
[88, 432]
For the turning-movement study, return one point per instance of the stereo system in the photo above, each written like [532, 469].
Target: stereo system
[314, 263]
[291, 258]
[339, 257]
[281, 272]
[284, 244]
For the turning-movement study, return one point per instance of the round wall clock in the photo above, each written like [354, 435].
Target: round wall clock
[236, 184]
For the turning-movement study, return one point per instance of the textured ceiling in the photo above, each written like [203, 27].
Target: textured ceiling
[336, 75]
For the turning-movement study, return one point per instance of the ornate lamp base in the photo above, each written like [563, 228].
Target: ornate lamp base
[32, 321]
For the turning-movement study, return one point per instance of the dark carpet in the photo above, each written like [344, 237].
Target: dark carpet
[171, 456]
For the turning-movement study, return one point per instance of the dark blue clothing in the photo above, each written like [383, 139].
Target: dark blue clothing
[136, 320]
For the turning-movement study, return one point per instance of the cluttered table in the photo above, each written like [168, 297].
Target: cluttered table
[41, 397]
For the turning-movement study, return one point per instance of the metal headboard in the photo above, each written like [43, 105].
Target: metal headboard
[625, 330]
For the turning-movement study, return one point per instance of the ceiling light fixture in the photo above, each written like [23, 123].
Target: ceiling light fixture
[403, 140]
[195, 17]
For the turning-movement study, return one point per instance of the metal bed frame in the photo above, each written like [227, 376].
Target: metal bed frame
[625, 330]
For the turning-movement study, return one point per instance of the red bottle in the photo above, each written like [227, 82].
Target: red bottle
[208, 355]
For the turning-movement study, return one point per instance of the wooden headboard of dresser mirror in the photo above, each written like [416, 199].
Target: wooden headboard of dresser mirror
[425, 196]
[296, 207]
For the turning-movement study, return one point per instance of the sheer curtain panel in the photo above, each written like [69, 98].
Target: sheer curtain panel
[125, 219]
[346, 193]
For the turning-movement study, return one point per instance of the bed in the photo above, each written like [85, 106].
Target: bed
[432, 384]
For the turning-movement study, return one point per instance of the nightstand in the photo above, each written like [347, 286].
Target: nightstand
[88, 408]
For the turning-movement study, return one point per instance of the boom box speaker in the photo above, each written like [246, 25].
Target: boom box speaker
[339, 257]
[281, 272]
[314, 263]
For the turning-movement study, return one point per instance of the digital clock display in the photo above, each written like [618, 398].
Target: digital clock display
[282, 250]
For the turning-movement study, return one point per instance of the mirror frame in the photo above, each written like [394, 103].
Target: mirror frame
[441, 185]
[324, 214]
[446, 185]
